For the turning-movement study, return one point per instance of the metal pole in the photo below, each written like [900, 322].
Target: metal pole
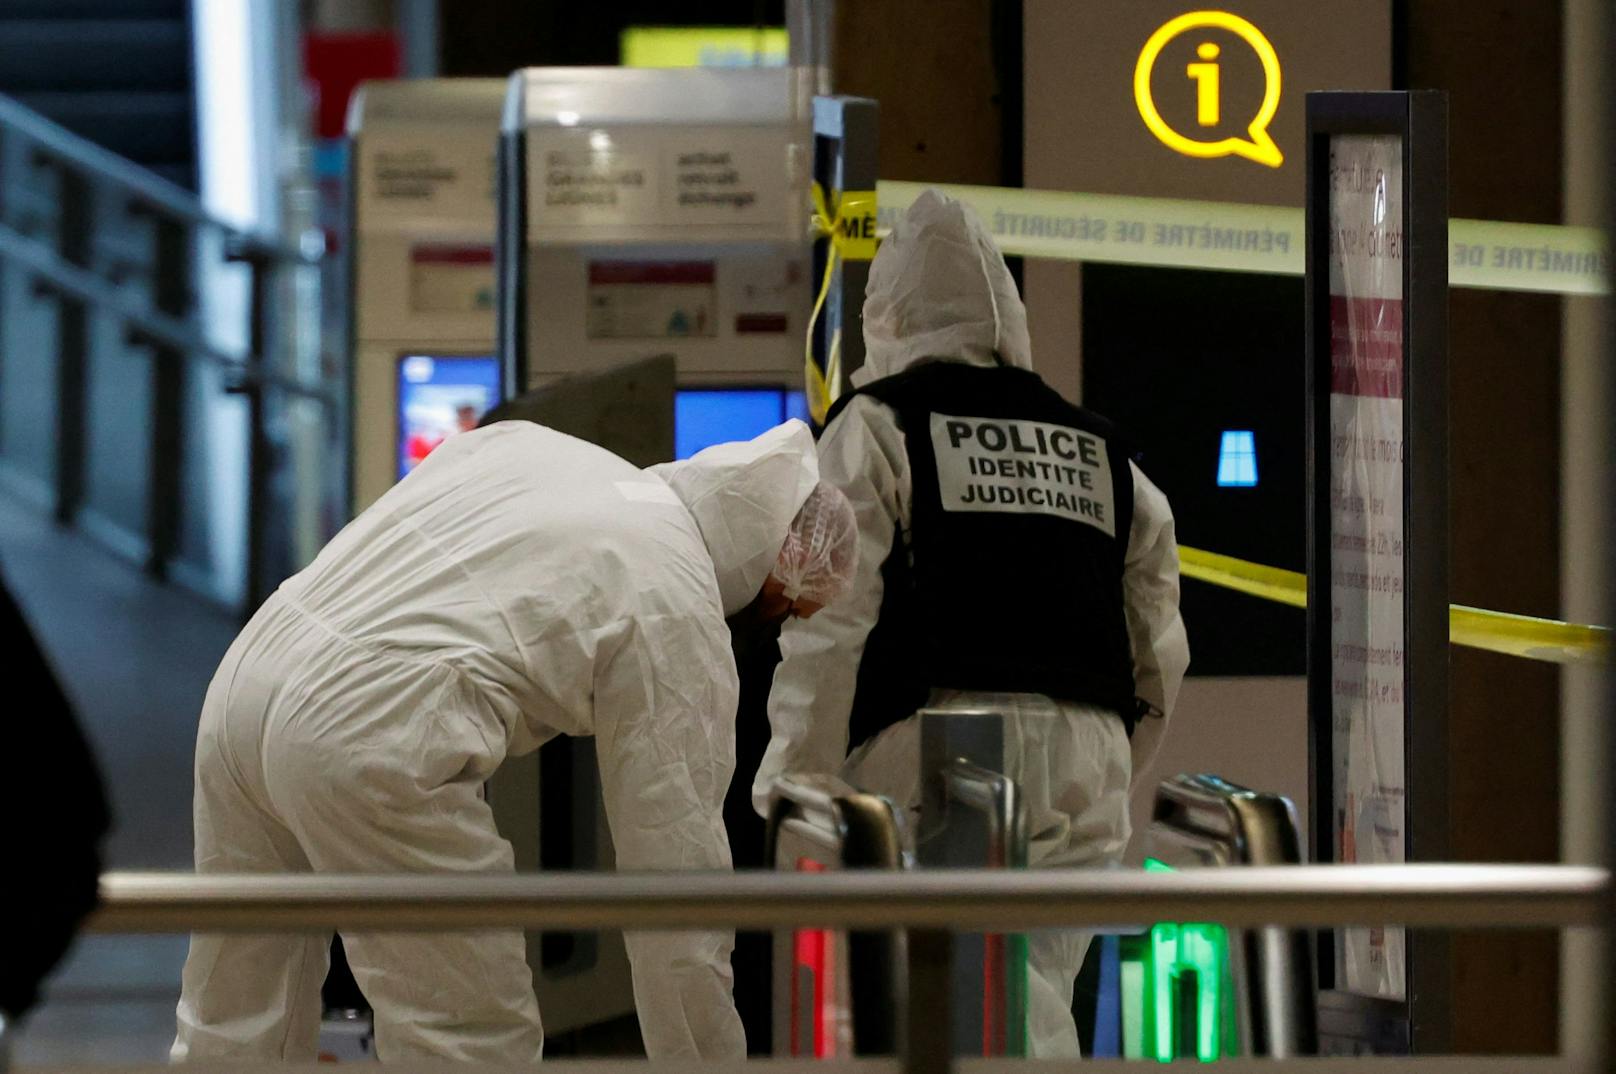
[1586, 441]
[810, 25]
[928, 1038]
[1439, 896]
[74, 242]
[260, 270]
[1604, 1004]
[846, 135]
[173, 295]
[987, 991]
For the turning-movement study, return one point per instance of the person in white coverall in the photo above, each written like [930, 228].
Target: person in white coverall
[520, 584]
[1012, 557]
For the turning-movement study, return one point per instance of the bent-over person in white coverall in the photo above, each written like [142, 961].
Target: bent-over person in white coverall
[518, 585]
[1012, 557]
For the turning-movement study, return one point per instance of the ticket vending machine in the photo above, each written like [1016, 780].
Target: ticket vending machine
[422, 357]
[660, 211]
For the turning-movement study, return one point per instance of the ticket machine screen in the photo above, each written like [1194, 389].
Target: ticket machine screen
[439, 396]
[703, 417]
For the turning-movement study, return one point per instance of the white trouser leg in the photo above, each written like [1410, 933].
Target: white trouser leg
[1054, 957]
[244, 996]
[459, 996]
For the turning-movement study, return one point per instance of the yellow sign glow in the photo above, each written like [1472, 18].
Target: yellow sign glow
[1258, 146]
[703, 46]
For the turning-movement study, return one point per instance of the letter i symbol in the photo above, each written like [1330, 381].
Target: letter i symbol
[1207, 90]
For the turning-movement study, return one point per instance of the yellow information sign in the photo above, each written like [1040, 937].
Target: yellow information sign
[1258, 145]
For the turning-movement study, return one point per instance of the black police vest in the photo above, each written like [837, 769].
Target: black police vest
[1010, 577]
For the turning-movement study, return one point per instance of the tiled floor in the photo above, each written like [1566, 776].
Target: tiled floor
[112, 1001]
[136, 658]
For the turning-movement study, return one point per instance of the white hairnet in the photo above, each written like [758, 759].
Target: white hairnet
[939, 288]
[744, 497]
[821, 550]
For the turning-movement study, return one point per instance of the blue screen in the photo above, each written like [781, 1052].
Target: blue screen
[797, 406]
[439, 396]
[703, 417]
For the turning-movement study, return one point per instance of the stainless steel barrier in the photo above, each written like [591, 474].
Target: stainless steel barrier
[972, 816]
[1364, 1065]
[834, 993]
[1447, 896]
[997, 799]
[1203, 820]
[1308, 896]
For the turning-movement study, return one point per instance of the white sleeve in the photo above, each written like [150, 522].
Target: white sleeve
[1161, 651]
[862, 453]
[665, 698]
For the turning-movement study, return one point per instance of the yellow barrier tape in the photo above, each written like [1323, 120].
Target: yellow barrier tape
[1500, 632]
[1254, 238]
[1532, 638]
[1269, 583]
[851, 231]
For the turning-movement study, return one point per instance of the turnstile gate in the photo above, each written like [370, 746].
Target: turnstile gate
[1198, 990]
[1186, 990]
[839, 995]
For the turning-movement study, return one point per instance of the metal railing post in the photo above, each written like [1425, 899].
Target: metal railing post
[74, 227]
[972, 816]
[260, 268]
[1603, 794]
[172, 293]
[47, 230]
[928, 1036]
[996, 799]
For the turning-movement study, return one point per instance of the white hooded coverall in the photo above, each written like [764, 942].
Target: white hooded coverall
[940, 290]
[518, 585]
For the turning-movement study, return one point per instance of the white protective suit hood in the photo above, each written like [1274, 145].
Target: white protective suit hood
[939, 288]
[744, 496]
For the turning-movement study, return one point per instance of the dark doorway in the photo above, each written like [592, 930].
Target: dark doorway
[1180, 359]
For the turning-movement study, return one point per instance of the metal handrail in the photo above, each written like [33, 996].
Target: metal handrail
[94, 188]
[1446, 896]
[39, 259]
[141, 185]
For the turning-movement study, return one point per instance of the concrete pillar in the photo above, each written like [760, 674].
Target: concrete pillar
[1505, 488]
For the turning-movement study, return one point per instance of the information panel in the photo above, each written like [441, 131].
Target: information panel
[1377, 610]
[1367, 552]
